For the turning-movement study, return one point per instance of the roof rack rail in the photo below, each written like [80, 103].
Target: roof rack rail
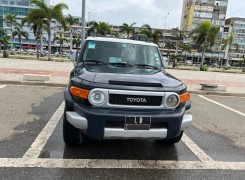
[140, 37]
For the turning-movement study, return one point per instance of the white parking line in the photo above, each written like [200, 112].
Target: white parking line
[30, 159]
[196, 149]
[2, 86]
[222, 105]
[37, 146]
[118, 164]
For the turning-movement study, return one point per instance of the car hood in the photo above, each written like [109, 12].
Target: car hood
[160, 79]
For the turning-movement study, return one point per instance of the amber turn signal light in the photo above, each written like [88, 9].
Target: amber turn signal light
[79, 92]
[184, 97]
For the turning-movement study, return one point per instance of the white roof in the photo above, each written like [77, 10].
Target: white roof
[127, 41]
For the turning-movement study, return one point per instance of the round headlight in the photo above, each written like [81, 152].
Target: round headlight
[97, 98]
[172, 101]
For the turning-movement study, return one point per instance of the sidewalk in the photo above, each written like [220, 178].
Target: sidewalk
[12, 70]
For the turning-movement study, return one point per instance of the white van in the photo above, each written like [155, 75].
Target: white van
[165, 61]
[72, 55]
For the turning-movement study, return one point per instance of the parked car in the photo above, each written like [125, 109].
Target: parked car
[188, 62]
[119, 89]
[215, 65]
[165, 61]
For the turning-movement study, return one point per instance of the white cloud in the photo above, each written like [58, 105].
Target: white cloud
[140, 11]
[236, 8]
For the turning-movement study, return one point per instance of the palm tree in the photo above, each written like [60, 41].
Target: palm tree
[126, 28]
[18, 31]
[61, 40]
[11, 20]
[92, 27]
[100, 28]
[185, 48]
[147, 30]
[71, 21]
[179, 40]
[153, 35]
[169, 45]
[173, 58]
[227, 44]
[156, 36]
[77, 43]
[204, 36]
[37, 24]
[5, 40]
[1, 36]
[50, 12]
[242, 62]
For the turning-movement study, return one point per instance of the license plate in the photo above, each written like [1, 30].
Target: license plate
[137, 123]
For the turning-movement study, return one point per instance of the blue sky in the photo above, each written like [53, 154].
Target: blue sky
[140, 11]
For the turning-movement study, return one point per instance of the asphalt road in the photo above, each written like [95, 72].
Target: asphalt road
[31, 144]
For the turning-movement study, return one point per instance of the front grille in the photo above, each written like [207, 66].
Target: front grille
[120, 124]
[114, 124]
[135, 100]
[158, 125]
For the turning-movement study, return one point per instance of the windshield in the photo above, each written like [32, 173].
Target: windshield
[104, 56]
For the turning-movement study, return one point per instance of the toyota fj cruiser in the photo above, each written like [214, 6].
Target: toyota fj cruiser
[119, 89]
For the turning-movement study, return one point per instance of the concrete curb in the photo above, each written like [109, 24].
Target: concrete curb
[198, 92]
[216, 93]
[32, 83]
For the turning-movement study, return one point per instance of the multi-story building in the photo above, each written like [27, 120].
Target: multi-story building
[197, 11]
[236, 26]
[20, 8]
[75, 29]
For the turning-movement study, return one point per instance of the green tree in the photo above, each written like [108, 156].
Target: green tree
[100, 28]
[126, 28]
[71, 21]
[38, 24]
[227, 44]
[242, 62]
[204, 36]
[12, 22]
[169, 45]
[174, 58]
[179, 41]
[1, 36]
[76, 43]
[153, 35]
[5, 40]
[50, 13]
[185, 48]
[19, 32]
[61, 39]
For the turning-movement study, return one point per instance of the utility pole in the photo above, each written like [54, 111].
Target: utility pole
[83, 29]
[165, 24]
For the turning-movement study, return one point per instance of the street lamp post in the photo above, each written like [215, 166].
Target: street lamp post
[83, 29]
[165, 24]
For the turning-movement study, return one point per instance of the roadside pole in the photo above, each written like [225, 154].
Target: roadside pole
[83, 23]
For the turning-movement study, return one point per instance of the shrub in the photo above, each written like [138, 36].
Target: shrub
[204, 68]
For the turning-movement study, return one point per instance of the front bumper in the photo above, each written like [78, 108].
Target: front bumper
[92, 120]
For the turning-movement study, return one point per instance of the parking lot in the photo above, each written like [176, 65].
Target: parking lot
[32, 146]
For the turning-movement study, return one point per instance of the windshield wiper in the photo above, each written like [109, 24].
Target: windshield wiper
[97, 62]
[147, 66]
[121, 64]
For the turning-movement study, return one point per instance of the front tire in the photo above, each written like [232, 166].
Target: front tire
[71, 135]
[174, 140]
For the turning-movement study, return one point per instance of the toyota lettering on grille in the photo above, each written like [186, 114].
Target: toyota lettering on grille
[136, 100]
